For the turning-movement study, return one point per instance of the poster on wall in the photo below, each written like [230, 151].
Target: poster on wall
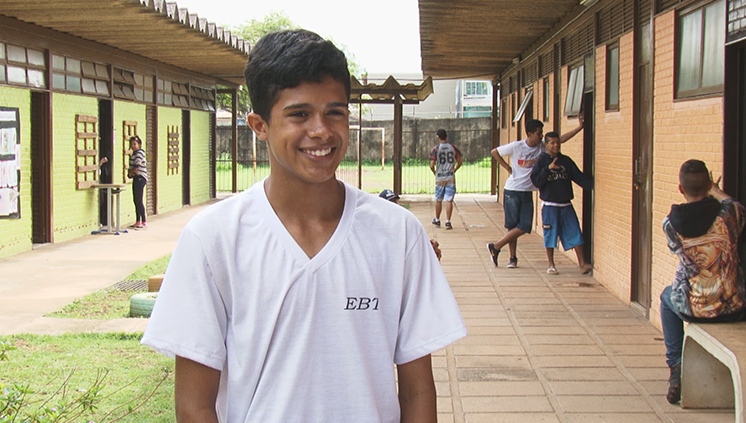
[10, 164]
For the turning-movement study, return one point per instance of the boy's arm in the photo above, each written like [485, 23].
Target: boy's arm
[496, 155]
[580, 178]
[568, 135]
[540, 173]
[196, 389]
[417, 398]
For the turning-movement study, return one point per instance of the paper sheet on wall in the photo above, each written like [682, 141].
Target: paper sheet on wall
[8, 201]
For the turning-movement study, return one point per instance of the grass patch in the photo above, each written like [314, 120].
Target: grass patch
[417, 178]
[132, 372]
[111, 303]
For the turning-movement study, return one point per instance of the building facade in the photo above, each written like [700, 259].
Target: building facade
[658, 83]
[69, 98]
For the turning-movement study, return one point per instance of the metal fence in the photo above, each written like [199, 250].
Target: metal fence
[375, 171]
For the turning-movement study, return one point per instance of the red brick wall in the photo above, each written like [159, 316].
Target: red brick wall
[683, 129]
[612, 241]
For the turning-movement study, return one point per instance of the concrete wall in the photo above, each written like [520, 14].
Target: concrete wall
[15, 234]
[199, 172]
[133, 112]
[169, 184]
[75, 212]
[471, 136]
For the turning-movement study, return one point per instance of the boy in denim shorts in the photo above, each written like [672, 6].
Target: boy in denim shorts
[518, 199]
[445, 160]
[554, 174]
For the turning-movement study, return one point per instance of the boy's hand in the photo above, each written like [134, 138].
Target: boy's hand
[553, 165]
[715, 190]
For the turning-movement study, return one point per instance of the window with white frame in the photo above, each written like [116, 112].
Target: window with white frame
[574, 99]
[700, 51]
[612, 77]
[476, 88]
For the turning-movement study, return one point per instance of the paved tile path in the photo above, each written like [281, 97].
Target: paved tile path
[541, 348]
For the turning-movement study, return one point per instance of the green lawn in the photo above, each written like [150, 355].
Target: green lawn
[416, 176]
[131, 373]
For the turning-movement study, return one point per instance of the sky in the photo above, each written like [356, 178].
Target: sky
[383, 35]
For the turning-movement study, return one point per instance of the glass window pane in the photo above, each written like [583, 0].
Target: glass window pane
[17, 75]
[167, 87]
[546, 99]
[139, 80]
[167, 99]
[73, 65]
[578, 97]
[147, 96]
[16, 54]
[160, 98]
[2, 51]
[36, 78]
[102, 71]
[37, 58]
[118, 90]
[570, 91]
[690, 51]
[613, 78]
[2, 73]
[58, 81]
[128, 91]
[148, 80]
[102, 87]
[138, 93]
[58, 62]
[89, 69]
[713, 58]
[89, 87]
[73, 83]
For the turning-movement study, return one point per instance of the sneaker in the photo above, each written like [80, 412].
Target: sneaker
[513, 263]
[674, 385]
[134, 225]
[436, 222]
[448, 225]
[494, 252]
[139, 225]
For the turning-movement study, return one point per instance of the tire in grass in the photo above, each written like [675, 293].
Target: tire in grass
[141, 305]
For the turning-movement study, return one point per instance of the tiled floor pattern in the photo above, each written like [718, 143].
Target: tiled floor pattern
[542, 348]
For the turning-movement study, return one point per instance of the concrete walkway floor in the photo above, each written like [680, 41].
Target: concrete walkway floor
[541, 348]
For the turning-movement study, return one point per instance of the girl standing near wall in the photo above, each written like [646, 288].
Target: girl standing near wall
[139, 173]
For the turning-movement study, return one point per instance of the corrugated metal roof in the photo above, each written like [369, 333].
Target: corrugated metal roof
[155, 29]
[480, 38]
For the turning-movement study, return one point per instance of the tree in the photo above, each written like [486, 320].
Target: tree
[255, 29]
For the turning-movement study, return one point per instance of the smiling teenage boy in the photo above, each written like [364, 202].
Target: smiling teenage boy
[293, 300]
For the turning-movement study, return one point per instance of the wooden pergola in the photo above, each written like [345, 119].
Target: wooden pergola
[391, 92]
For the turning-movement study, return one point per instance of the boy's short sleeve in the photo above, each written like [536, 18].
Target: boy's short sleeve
[189, 317]
[507, 149]
[430, 318]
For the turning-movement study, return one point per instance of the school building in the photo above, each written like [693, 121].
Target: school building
[658, 82]
[77, 79]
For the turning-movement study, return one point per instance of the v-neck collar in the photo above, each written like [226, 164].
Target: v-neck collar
[292, 248]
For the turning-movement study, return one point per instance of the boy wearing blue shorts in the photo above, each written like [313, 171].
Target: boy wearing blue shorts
[553, 174]
[445, 160]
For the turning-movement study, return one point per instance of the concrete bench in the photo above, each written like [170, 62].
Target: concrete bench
[713, 367]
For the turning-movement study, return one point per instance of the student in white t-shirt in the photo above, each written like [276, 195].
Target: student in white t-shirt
[518, 198]
[296, 300]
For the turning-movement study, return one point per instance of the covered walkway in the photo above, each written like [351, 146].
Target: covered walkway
[541, 348]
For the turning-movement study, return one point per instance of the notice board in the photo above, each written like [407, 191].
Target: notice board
[10, 163]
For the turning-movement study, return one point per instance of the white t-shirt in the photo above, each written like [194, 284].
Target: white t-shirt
[522, 159]
[299, 339]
